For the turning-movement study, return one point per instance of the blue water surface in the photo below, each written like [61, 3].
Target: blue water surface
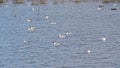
[20, 48]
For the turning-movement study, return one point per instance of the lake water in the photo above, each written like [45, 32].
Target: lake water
[82, 47]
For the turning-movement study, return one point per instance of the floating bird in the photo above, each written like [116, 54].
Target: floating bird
[100, 7]
[56, 43]
[25, 42]
[114, 8]
[28, 4]
[53, 23]
[29, 20]
[33, 9]
[72, 7]
[89, 51]
[103, 38]
[47, 17]
[68, 33]
[61, 36]
[115, 5]
[31, 29]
